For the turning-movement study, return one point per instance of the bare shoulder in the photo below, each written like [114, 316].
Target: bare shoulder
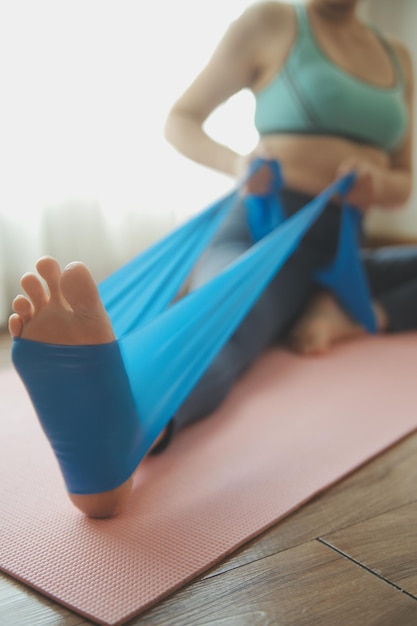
[267, 30]
[267, 16]
[250, 35]
[269, 9]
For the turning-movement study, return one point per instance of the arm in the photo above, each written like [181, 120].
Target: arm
[390, 187]
[234, 66]
[397, 183]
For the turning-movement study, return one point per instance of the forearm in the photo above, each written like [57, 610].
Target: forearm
[188, 137]
[395, 189]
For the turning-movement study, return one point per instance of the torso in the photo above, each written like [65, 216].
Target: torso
[310, 161]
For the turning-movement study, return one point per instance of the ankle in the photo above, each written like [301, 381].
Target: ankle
[381, 318]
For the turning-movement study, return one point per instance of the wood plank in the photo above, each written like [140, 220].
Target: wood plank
[386, 544]
[305, 586]
[20, 606]
[385, 483]
[308, 585]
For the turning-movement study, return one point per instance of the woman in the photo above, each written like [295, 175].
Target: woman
[309, 68]
[332, 95]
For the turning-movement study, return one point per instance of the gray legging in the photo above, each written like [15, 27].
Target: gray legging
[392, 277]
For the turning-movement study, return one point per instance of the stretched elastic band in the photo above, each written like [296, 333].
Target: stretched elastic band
[85, 406]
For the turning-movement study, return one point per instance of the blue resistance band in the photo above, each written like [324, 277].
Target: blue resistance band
[83, 400]
[102, 407]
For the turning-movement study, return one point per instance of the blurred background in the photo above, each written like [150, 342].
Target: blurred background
[85, 89]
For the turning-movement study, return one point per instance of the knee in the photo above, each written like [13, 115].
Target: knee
[103, 505]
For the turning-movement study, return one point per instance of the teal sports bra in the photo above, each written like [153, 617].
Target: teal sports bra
[312, 95]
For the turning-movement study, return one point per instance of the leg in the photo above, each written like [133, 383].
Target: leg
[71, 314]
[282, 301]
[325, 323]
[392, 275]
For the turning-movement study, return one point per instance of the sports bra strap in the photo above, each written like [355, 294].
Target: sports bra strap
[303, 26]
[390, 51]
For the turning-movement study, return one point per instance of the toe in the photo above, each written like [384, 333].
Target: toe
[80, 290]
[15, 325]
[23, 308]
[35, 290]
[50, 271]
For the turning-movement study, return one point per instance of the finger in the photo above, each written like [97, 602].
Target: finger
[348, 165]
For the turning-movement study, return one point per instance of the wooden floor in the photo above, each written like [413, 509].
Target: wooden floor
[347, 558]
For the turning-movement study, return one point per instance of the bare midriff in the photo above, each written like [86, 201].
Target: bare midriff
[311, 163]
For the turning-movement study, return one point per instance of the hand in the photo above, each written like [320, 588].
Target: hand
[367, 189]
[260, 182]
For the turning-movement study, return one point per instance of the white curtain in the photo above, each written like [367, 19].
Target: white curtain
[86, 86]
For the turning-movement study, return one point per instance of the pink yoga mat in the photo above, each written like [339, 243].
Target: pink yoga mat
[291, 427]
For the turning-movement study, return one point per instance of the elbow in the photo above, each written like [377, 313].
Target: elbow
[395, 196]
[173, 129]
[170, 126]
[398, 203]
[404, 197]
[410, 189]
[407, 189]
[174, 123]
[182, 126]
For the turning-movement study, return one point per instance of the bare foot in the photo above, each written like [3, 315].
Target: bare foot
[70, 314]
[323, 324]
